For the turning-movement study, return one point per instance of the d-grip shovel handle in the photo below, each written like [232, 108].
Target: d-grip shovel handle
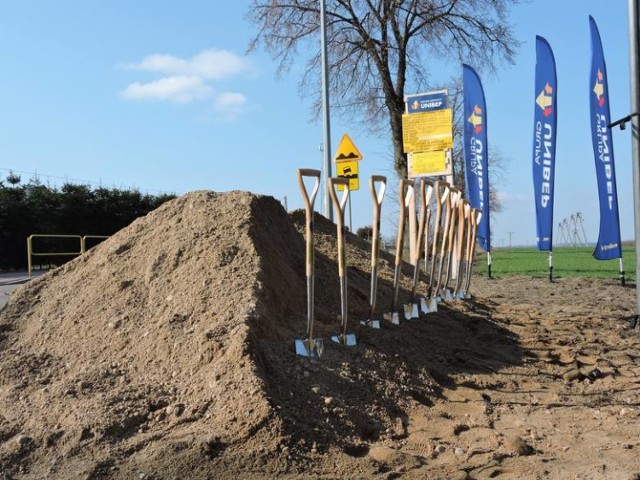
[340, 206]
[377, 196]
[309, 200]
[406, 191]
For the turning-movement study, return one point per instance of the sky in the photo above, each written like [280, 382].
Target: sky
[162, 96]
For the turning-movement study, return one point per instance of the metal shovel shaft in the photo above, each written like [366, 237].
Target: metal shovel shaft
[343, 305]
[396, 288]
[447, 275]
[416, 271]
[310, 303]
[374, 291]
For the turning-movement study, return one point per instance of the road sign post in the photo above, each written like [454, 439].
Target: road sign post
[347, 158]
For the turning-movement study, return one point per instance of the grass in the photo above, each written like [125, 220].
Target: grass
[567, 262]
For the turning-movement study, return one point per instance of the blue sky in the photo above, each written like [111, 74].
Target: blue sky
[160, 95]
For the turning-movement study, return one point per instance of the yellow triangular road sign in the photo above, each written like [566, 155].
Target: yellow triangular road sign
[347, 151]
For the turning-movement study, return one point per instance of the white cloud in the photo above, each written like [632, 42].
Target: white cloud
[230, 103]
[186, 80]
[178, 89]
[208, 64]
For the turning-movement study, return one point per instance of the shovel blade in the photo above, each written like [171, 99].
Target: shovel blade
[433, 304]
[392, 317]
[371, 323]
[313, 349]
[408, 311]
[447, 295]
[348, 340]
[423, 305]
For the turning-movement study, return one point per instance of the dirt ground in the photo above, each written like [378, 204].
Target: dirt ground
[167, 352]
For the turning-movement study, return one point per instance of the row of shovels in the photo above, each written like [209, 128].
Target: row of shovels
[450, 244]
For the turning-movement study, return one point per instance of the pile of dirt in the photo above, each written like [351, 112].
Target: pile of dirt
[170, 346]
[168, 352]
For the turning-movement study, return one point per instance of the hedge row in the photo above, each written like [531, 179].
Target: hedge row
[30, 208]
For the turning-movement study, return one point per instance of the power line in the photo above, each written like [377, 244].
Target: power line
[79, 181]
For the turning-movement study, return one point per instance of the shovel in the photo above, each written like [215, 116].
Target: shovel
[441, 194]
[456, 195]
[406, 192]
[309, 347]
[427, 251]
[375, 245]
[476, 215]
[343, 338]
[446, 201]
[411, 309]
[463, 209]
[466, 216]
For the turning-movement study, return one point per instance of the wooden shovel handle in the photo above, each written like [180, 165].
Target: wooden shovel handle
[461, 227]
[438, 219]
[429, 188]
[476, 215]
[405, 192]
[468, 218]
[455, 197]
[377, 195]
[423, 216]
[446, 199]
[340, 206]
[309, 200]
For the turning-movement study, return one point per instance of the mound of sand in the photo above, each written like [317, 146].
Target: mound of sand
[167, 352]
[172, 342]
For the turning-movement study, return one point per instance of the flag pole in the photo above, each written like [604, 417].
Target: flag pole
[550, 265]
[634, 72]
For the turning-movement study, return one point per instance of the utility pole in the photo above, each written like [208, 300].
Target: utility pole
[510, 233]
[634, 73]
[634, 118]
[328, 212]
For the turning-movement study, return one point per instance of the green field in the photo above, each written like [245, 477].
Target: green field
[567, 262]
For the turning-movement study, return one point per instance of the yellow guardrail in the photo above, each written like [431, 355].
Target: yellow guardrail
[82, 240]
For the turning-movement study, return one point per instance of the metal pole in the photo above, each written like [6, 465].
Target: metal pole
[328, 212]
[634, 72]
[350, 225]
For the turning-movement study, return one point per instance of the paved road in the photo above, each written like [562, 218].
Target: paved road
[11, 281]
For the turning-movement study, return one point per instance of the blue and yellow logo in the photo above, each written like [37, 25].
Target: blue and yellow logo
[476, 119]
[545, 100]
[598, 89]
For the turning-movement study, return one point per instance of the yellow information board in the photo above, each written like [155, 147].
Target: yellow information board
[428, 163]
[348, 170]
[427, 131]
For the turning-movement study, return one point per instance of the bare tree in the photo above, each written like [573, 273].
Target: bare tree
[378, 48]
